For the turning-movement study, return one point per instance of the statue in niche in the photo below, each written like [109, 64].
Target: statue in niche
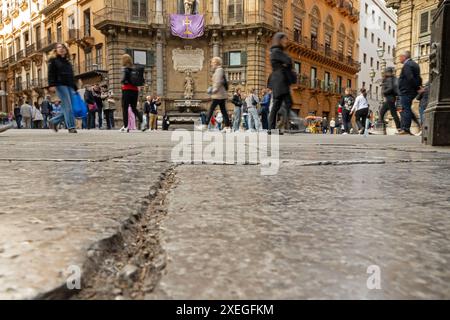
[189, 6]
[188, 85]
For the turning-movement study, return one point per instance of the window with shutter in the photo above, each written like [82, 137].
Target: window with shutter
[298, 24]
[424, 22]
[243, 58]
[278, 15]
[150, 58]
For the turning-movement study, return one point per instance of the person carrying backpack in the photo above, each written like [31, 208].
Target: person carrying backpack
[131, 80]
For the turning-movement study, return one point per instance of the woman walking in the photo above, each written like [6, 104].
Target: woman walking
[361, 110]
[130, 92]
[61, 79]
[218, 92]
[281, 78]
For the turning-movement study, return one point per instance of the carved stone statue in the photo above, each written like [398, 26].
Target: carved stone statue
[189, 6]
[188, 86]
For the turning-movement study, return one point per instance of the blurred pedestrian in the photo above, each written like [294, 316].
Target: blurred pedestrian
[361, 110]
[218, 92]
[281, 78]
[390, 93]
[332, 125]
[324, 125]
[25, 112]
[46, 111]
[346, 103]
[409, 84]
[61, 80]
[265, 106]
[18, 116]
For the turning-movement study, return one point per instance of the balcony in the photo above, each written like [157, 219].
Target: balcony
[48, 43]
[89, 69]
[236, 75]
[250, 18]
[23, 5]
[20, 55]
[317, 51]
[109, 16]
[31, 48]
[15, 12]
[73, 35]
[12, 59]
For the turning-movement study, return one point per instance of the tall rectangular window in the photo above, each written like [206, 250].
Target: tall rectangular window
[298, 26]
[364, 58]
[278, 15]
[313, 77]
[99, 57]
[88, 61]
[327, 79]
[37, 35]
[349, 83]
[87, 23]
[59, 32]
[365, 33]
[139, 9]
[235, 11]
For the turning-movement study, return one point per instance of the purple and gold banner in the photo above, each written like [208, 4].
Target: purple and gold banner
[187, 26]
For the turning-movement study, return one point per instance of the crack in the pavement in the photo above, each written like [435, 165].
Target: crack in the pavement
[130, 264]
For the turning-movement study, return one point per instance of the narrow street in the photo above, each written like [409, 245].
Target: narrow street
[142, 227]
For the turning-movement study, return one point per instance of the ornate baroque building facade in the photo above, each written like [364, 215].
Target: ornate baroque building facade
[414, 30]
[323, 43]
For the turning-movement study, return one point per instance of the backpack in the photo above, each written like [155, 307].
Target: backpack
[225, 81]
[137, 76]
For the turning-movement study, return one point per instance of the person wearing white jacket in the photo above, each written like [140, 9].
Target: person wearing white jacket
[361, 110]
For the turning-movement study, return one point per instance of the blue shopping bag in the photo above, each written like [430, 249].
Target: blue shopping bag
[79, 108]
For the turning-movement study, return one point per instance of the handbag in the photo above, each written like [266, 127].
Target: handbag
[92, 107]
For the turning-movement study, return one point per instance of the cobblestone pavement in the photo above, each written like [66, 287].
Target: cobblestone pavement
[338, 205]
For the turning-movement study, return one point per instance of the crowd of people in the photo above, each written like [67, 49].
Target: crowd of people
[253, 111]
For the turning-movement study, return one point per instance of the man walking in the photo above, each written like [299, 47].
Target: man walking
[46, 110]
[18, 116]
[361, 110]
[25, 112]
[390, 93]
[409, 84]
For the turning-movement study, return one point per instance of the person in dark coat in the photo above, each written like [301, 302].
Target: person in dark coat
[390, 93]
[281, 78]
[409, 84]
[18, 116]
[61, 80]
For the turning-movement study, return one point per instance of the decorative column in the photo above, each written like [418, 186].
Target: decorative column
[436, 130]
[216, 12]
[159, 64]
[159, 19]
[216, 44]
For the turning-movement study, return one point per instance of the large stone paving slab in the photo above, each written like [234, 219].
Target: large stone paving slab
[61, 195]
[312, 231]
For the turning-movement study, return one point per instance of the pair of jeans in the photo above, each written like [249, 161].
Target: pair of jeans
[361, 116]
[237, 118]
[221, 104]
[109, 115]
[91, 120]
[389, 104]
[253, 119]
[265, 117]
[347, 120]
[245, 121]
[129, 99]
[45, 117]
[407, 116]
[19, 122]
[66, 94]
[277, 103]
[100, 117]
